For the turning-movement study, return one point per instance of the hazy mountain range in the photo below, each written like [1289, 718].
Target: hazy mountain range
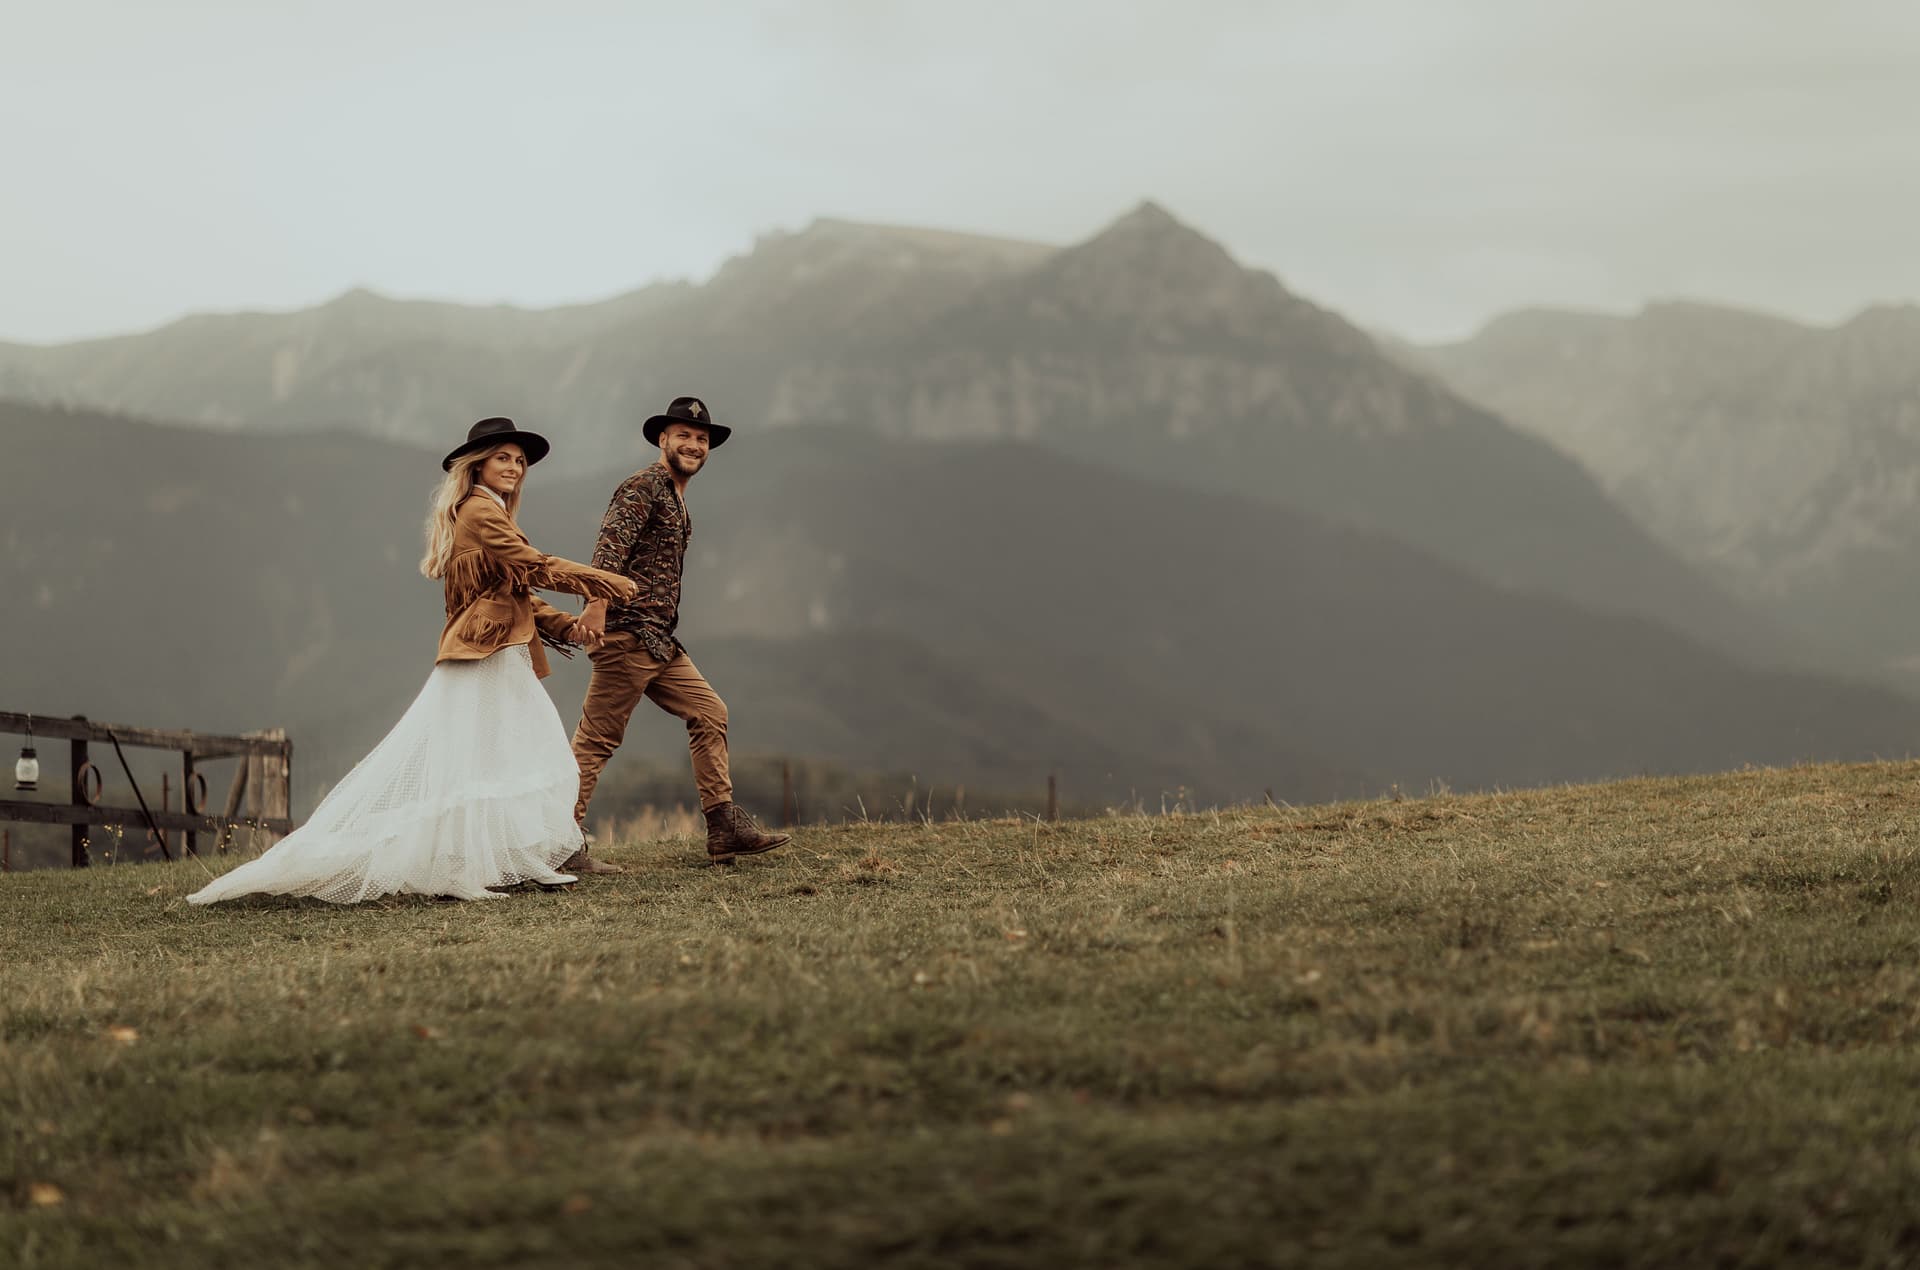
[1123, 509]
[884, 603]
[1782, 458]
[1146, 347]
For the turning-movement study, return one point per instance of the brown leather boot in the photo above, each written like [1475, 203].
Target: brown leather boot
[731, 832]
[582, 862]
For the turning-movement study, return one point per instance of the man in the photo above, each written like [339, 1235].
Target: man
[635, 653]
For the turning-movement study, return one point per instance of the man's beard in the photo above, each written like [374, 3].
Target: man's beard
[680, 463]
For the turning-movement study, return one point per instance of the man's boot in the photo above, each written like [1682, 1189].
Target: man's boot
[582, 861]
[731, 832]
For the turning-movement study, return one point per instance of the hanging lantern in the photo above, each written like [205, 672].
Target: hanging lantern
[26, 772]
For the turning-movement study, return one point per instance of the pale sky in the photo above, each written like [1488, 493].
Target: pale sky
[1418, 165]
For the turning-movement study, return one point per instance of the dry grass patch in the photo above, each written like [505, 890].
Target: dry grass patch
[1656, 1022]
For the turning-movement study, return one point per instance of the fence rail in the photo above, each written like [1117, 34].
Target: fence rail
[207, 745]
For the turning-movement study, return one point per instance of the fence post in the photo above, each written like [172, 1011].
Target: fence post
[788, 811]
[1053, 798]
[166, 804]
[272, 780]
[189, 841]
[77, 760]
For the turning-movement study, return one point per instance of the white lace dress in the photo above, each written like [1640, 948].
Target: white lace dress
[473, 788]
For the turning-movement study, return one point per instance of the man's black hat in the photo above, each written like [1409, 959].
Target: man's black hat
[688, 410]
[492, 432]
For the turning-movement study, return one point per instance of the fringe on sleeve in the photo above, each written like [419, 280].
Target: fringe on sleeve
[475, 573]
[579, 579]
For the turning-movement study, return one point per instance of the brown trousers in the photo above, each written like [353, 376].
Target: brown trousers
[623, 672]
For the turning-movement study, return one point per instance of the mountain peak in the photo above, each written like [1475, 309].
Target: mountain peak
[1148, 214]
[355, 298]
[1149, 220]
[1153, 243]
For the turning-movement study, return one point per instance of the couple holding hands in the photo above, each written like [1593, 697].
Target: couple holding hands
[477, 789]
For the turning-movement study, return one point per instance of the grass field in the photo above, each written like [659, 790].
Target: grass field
[1664, 1022]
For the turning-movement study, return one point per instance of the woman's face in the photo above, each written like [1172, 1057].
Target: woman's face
[504, 469]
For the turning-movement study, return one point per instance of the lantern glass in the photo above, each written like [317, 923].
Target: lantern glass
[26, 772]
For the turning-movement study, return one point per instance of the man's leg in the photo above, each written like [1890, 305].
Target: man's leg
[622, 670]
[682, 691]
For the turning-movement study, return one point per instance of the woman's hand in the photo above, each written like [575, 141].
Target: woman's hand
[581, 632]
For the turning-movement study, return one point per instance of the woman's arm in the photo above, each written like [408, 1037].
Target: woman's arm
[507, 549]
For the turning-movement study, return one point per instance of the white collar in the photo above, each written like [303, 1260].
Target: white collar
[490, 492]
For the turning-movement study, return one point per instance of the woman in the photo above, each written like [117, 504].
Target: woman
[474, 787]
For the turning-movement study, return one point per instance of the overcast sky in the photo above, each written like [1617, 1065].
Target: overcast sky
[1417, 164]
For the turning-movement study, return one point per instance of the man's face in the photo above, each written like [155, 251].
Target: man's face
[684, 447]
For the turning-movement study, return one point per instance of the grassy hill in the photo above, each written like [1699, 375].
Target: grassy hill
[1657, 1023]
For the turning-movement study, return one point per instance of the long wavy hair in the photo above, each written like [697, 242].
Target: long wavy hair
[447, 496]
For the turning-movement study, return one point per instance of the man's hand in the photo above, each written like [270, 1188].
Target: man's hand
[590, 628]
[577, 633]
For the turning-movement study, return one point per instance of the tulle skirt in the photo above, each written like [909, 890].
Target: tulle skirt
[473, 788]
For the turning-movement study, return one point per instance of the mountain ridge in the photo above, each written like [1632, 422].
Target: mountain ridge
[846, 590]
[1146, 347]
[1783, 458]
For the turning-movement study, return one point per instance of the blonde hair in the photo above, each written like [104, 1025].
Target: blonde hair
[445, 505]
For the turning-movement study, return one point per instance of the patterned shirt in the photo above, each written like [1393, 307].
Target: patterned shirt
[644, 537]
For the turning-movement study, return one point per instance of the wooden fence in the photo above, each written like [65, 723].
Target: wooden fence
[258, 797]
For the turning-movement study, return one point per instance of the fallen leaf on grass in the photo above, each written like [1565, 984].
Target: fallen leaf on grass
[426, 1033]
[45, 1195]
[576, 1205]
[124, 1035]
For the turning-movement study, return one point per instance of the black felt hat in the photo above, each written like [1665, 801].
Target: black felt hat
[492, 432]
[690, 410]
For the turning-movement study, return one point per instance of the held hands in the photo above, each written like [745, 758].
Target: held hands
[579, 633]
[590, 628]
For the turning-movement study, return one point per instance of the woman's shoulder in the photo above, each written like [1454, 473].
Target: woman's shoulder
[480, 506]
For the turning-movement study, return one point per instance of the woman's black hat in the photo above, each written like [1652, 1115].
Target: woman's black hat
[491, 432]
[689, 410]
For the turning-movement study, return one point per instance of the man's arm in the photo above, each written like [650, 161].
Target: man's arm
[620, 528]
[620, 531]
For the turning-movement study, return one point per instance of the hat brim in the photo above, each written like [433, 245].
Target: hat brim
[717, 433]
[532, 442]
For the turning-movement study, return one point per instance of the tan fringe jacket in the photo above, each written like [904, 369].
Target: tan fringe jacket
[490, 581]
